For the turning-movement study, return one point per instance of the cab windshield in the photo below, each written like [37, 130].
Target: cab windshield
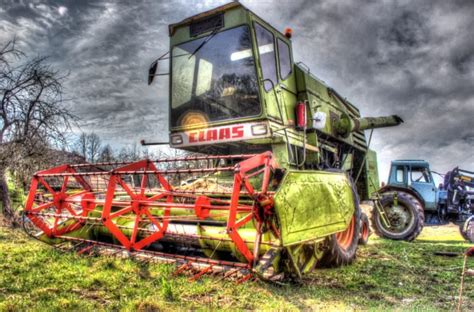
[214, 78]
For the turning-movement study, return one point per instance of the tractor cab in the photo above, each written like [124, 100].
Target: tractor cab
[416, 176]
[228, 68]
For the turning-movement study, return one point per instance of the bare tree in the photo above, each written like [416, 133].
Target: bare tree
[131, 153]
[106, 154]
[32, 114]
[89, 146]
[81, 145]
[94, 147]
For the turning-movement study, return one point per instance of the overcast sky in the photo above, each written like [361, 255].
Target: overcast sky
[412, 58]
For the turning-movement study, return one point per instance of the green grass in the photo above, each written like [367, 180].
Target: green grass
[387, 275]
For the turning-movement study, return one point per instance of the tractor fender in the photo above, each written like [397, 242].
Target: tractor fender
[408, 190]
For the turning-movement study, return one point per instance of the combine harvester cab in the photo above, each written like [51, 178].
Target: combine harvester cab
[275, 189]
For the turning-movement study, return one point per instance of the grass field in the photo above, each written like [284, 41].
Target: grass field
[387, 275]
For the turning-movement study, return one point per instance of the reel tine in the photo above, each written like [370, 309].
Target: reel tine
[184, 267]
[229, 274]
[245, 278]
[86, 249]
[61, 246]
[201, 273]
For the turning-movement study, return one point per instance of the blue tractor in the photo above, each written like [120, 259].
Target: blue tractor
[411, 200]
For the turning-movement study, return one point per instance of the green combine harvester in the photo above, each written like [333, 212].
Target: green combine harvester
[277, 164]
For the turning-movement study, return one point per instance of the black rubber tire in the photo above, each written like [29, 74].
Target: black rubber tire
[364, 229]
[467, 229]
[415, 208]
[336, 256]
[462, 232]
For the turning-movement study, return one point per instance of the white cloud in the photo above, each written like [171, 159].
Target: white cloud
[62, 10]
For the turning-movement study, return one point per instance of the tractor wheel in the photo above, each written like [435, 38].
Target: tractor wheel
[406, 219]
[364, 229]
[341, 247]
[467, 229]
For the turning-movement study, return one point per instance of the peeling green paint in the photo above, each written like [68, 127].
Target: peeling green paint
[313, 204]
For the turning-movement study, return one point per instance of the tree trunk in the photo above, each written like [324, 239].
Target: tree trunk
[5, 197]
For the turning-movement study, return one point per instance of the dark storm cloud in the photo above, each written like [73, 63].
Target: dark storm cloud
[412, 58]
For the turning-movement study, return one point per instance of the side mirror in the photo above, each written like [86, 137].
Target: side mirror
[152, 71]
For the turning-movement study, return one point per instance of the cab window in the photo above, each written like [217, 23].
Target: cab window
[284, 58]
[420, 175]
[399, 175]
[266, 51]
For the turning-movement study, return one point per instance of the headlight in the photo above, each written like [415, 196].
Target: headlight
[260, 129]
[176, 139]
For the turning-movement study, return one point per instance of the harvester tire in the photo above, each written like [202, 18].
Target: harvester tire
[341, 248]
[467, 229]
[364, 229]
[407, 219]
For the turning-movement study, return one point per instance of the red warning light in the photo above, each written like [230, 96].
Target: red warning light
[288, 32]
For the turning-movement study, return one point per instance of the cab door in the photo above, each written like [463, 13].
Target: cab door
[266, 51]
[286, 88]
[421, 180]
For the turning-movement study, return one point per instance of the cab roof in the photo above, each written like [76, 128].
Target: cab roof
[226, 7]
[411, 162]
[202, 15]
